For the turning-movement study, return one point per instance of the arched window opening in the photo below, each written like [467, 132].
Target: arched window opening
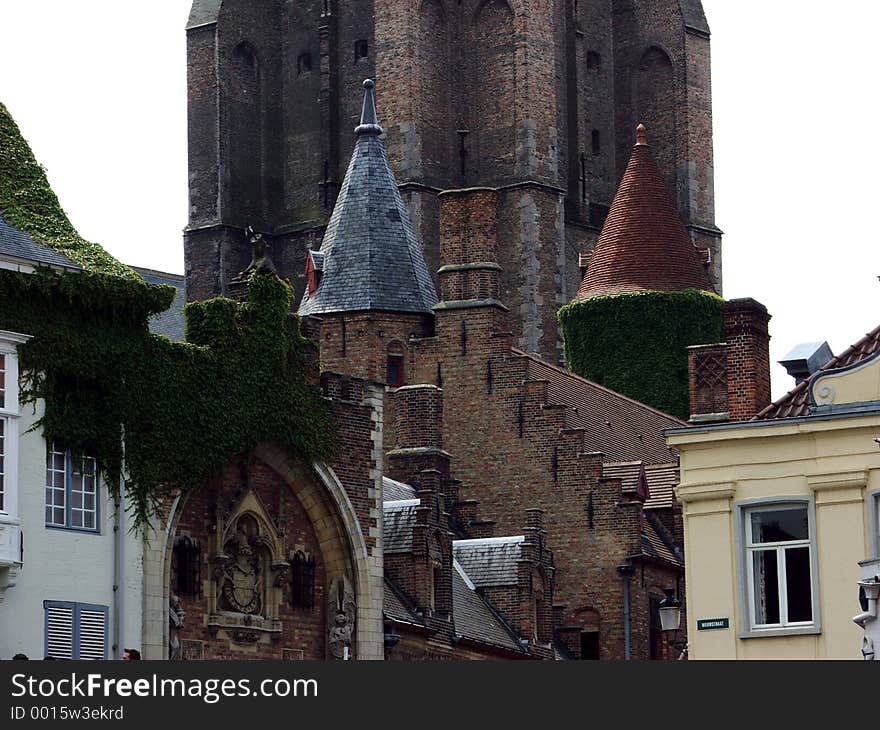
[188, 559]
[360, 50]
[596, 141]
[303, 63]
[302, 589]
[594, 61]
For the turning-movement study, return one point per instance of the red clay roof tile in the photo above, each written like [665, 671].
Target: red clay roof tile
[796, 402]
[643, 245]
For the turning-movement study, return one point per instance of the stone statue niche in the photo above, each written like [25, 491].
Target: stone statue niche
[249, 568]
[341, 614]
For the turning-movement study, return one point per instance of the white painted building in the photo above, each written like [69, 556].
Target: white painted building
[71, 579]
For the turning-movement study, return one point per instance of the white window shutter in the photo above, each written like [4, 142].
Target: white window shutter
[92, 634]
[59, 631]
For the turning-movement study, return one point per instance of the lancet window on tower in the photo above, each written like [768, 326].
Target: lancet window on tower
[360, 50]
[303, 63]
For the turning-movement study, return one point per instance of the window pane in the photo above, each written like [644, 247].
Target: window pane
[797, 584]
[780, 525]
[766, 588]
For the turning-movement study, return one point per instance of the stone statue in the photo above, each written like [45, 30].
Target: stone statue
[342, 613]
[176, 617]
[261, 259]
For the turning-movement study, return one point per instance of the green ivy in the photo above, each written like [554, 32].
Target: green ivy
[28, 203]
[637, 343]
[161, 417]
[164, 414]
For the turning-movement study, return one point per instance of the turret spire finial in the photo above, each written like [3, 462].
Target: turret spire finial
[641, 136]
[369, 122]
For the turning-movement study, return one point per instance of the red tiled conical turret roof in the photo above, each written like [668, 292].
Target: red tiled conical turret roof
[643, 245]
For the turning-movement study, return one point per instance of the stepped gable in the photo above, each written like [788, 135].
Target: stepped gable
[621, 428]
[796, 402]
[644, 245]
[372, 260]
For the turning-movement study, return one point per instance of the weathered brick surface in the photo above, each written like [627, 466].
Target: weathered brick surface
[545, 94]
[302, 628]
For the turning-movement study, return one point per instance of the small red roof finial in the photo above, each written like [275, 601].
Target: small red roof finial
[641, 136]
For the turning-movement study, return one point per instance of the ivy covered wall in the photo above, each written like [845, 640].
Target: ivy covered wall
[637, 343]
[159, 416]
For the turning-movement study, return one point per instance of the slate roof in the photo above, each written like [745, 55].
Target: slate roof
[395, 606]
[17, 244]
[621, 428]
[395, 491]
[171, 322]
[398, 518]
[796, 403]
[472, 616]
[372, 258]
[489, 561]
[643, 245]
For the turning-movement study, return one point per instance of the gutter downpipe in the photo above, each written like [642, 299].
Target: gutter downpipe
[117, 574]
[626, 571]
[118, 558]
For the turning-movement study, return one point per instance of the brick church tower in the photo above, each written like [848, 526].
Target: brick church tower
[531, 98]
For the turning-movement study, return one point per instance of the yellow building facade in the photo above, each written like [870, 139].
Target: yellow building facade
[778, 513]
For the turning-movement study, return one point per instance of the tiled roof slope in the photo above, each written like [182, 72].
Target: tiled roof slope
[472, 616]
[394, 491]
[662, 480]
[398, 519]
[796, 402]
[17, 244]
[657, 542]
[395, 606]
[621, 428]
[489, 561]
[171, 322]
[372, 258]
[643, 245]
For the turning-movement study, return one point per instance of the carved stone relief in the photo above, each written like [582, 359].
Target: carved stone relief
[341, 614]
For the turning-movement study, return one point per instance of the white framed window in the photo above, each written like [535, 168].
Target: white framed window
[71, 489]
[9, 415]
[778, 568]
[75, 630]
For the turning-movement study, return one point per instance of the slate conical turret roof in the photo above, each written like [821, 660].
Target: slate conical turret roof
[372, 259]
[643, 245]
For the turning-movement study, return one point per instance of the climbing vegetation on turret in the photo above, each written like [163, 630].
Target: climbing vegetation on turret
[637, 343]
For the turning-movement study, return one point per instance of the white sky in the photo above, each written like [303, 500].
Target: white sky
[99, 90]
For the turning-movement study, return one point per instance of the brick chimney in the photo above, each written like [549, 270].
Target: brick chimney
[730, 381]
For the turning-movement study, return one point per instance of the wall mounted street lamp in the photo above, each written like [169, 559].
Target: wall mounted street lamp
[670, 621]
